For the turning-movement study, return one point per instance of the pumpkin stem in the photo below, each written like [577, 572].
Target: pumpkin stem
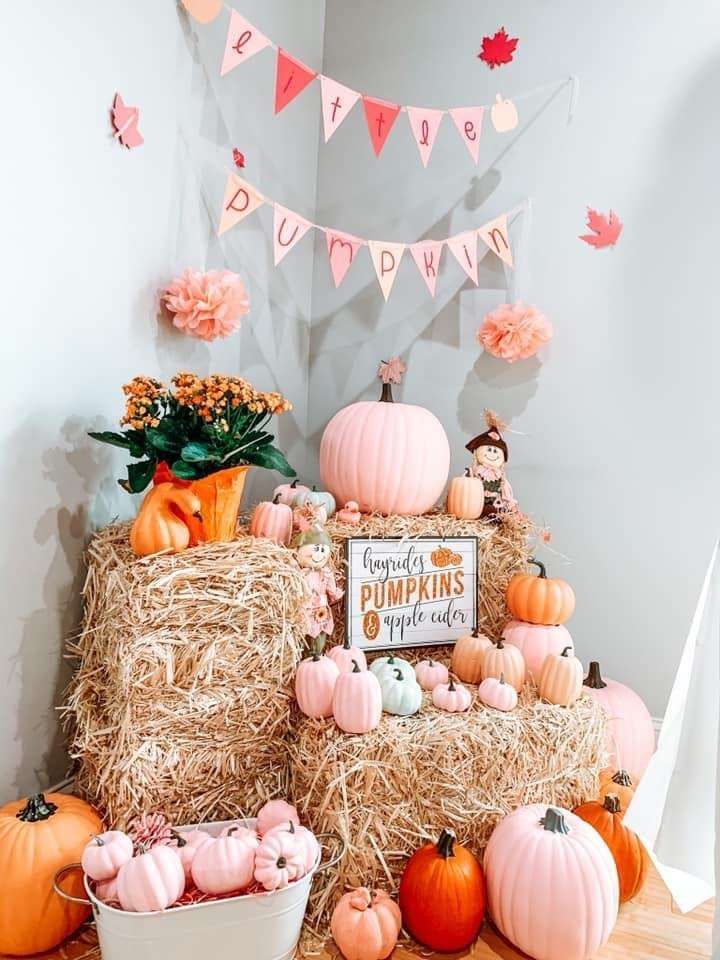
[501, 646]
[475, 632]
[540, 565]
[356, 668]
[554, 821]
[446, 843]
[37, 808]
[502, 678]
[346, 643]
[565, 651]
[182, 842]
[611, 803]
[622, 778]
[398, 674]
[451, 684]
[276, 498]
[467, 471]
[291, 828]
[386, 396]
[98, 841]
[281, 862]
[594, 678]
[294, 483]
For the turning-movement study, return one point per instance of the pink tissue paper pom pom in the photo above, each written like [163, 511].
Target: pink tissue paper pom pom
[207, 305]
[514, 331]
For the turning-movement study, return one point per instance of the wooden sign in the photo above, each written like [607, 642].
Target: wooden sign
[410, 592]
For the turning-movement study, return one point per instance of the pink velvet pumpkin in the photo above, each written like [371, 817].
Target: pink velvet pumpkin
[344, 654]
[535, 642]
[315, 680]
[630, 735]
[187, 844]
[276, 812]
[151, 881]
[357, 701]
[272, 520]
[552, 884]
[496, 693]
[307, 841]
[391, 458]
[224, 864]
[452, 697]
[366, 926]
[105, 854]
[430, 673]
[278, 860]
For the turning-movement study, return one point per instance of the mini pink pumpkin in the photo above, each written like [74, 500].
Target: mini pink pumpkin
[357, 701]
[315, 680]
[452, 697]
[287, 492]
[272, 520]
[278, 860]
[224, 864]
[107, 891]
[306, 838]
[498, 694]
[365, 926]
[430, 673]
[344, 654]
[187, 845]
[151, 881]
[105, 854]
[274, 813]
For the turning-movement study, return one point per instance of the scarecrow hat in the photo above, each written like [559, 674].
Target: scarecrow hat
[492, 436]
[311, 537]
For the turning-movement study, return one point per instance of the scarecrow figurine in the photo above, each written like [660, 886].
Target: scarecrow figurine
[312, 549]
[490, 454]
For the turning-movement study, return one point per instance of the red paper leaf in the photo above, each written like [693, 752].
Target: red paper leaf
[498, 49]
[606, 229]
[238, 158]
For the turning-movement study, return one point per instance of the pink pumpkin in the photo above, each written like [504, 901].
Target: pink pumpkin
[187, 844]
[272, 520]
[224, 864]
[344, 655]
[390, 458]
[366, 926]
[287, 492]
[430, 673]
[240, 832]
[151, 881]
[315, 680]
[498, 694]
[630, 735]
[452, 697]
[357, 701]
[278, 860]
[552, 884]
[309, 846]
[535, 642]
[276, 812]
[107, 891]
[105, 854]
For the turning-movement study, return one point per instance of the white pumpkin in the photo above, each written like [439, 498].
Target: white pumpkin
[400, 694]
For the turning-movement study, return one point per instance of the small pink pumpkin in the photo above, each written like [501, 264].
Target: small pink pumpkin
[430, 673]
[105, 854]
[315, 680]
[274, 813]
[107, 891]
[366, 926]
[535, 641]
[151, 881]
[306, 838]
[272, 520]
[224, 864]
[278, 860]
[357, 701]
[287, 492]
[452, 697]
[344, 654]
[187, 844]
[498, 694]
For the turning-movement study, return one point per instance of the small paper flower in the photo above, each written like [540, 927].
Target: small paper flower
[207, 305]
[148, 829]
[392, 370]
[514, 331]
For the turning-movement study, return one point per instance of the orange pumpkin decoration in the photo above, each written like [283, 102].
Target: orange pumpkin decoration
[561, 678]
[38, 836]
[442, 557]
[625, 846]
[501, 661]
[540, 599]
[442, 895]
[618, 782]
[467, 656]
[161, 523]
[466, 497]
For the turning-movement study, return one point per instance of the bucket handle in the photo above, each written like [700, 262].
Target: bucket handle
[331, 835]
[60, 876]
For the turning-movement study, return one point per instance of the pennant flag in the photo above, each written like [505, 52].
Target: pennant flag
[291, 78]
[427, 259]
[463, 247]
[240, 200]
[468, 121]
[243, 41]
[337, 102]
[495, 236]
[342, 248]
[386, 259]
[424, 124]
[288, 229]
[380, 116]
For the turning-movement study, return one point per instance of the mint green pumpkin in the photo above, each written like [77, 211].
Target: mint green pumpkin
[389, 664]
[400, 695]
[318, 498]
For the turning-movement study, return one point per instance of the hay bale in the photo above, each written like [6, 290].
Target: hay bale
[393, 789]
[182, 697]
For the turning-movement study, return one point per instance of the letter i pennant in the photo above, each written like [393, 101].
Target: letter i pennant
[380, 116]
[291, 78]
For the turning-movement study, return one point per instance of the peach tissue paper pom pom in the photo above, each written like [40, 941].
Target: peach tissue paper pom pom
[514, 331]
[207, 305]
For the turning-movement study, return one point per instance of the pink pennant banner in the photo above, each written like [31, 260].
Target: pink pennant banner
[380, 116]
[243, 41]
[341, 248]
[424, 124]
[240, 201]
[386, 259]
[468, 121]
[291, 78]
[288, 229]
[427, 259]
[463, 247]
[337, 102]
[495, 235]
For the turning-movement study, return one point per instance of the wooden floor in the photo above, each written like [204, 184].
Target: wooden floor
[650, 928]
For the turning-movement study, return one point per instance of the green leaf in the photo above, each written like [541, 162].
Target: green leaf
[271, 458]
[139, 475]
[196, 452]
[163, 441]
[186, 471]
[108, 436]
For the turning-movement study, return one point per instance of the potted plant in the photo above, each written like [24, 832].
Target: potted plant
[204, 433]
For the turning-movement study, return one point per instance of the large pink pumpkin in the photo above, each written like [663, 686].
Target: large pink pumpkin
[151, 881]
[387, 457]
[630, 736]
[535, 641]
[552, 884]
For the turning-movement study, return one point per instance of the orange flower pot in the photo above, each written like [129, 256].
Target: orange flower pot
[220, 494]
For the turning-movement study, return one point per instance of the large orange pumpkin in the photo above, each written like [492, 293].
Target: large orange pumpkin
[39, 835]
[540, 599]
[442, 895]
[625, 846]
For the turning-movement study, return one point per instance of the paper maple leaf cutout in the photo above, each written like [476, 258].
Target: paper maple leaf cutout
[498, 50]
[238, 158]
[392, 370]
[606, 229]
[125, 121]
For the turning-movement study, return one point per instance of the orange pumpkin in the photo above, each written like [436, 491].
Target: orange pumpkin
[466, 497]
[561, 678]
[625, 846]
[442, 895]
[540, 599]
[161, 523]
[618, 782]
[38, 836]
[501, 661]
[467, 656]
[441, 556]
